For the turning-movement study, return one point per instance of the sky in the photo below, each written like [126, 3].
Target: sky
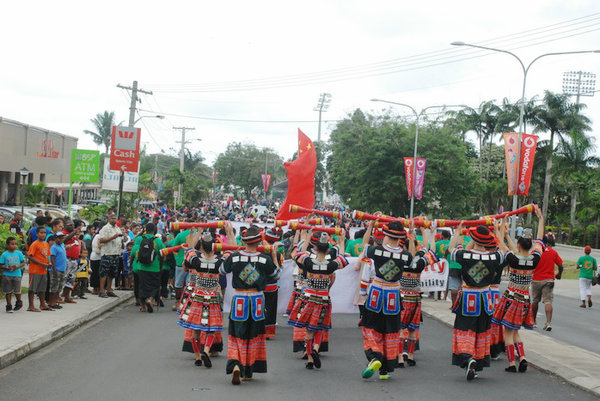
[267, 62]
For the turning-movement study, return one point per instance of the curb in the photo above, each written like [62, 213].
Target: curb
[31, 345]
[546, 365]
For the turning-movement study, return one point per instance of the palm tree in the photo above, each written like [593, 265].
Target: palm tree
[575, 157]
[103, 123]
[558, 116]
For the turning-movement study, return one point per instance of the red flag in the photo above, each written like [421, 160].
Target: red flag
[301, 179]
[528, 148]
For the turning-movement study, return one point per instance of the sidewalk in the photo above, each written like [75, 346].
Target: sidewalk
[573, 364]
[25, 332]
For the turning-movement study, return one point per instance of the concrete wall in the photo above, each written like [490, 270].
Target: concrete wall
[46, 154]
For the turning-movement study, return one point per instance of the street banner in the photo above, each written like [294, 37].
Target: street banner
[528, 148]
[435, 276]
[408, 173]
[125, 149]
[511, 150]
[85, 165]
[266, 181]
[110, 179]
[420, 178]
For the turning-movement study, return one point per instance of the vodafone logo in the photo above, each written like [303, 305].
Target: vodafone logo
[529, 142]
[420, 163]
[511, 141]
[408, 162]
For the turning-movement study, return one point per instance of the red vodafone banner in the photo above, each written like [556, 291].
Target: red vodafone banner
[125, 149]
[408, 173]
[528, 148]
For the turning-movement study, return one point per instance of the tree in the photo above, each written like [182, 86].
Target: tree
[241, 165]
[558, 117]
[103, 122]
[367, 170]
[575, 157]
[35, 193]
[487, 121]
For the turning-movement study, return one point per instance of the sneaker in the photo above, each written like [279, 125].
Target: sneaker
[547, 327]
[18, 305]
[511, 369]
[470, 370]
[9, 308]
[371, 368]
[523, 366]
[383, 375]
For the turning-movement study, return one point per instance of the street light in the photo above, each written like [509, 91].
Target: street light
[24, 173]
[322, 105]
[156, 116]
[522, 108]
[418, 116]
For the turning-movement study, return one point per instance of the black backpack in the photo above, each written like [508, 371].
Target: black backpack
[146, 254]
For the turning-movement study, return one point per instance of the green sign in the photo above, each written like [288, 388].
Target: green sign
[85, 165]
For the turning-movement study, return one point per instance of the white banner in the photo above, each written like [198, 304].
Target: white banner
[342, 292]
[110, 179]
[435, 277]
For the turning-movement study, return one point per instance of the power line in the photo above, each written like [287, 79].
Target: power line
[424, 60]
[241, 120]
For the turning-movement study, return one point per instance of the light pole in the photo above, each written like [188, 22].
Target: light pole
[417, 116]
[24, 173]
[323, 105]
[156, 116]
[522, 108]
[579, 83]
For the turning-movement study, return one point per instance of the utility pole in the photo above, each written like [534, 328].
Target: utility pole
[134, 99]
[322, 105]
[182, 157]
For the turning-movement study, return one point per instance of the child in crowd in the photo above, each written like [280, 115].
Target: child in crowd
[82, 275]
[126, 276]
[12, 263]
[59, 266]
[39, 252]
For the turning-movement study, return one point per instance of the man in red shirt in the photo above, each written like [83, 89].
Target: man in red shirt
[73, 246]
[542, 284]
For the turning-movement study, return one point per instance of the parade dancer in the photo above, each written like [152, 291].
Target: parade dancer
[202, 310]
[410, 283]
[381, 318]
[247, 346]
[473, 307]
[271, 237]
[321, 343]
[312, 310]
[514, 310]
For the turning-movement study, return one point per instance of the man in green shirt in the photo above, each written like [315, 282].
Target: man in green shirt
[148, 274]
[454, 277]
[588, 267]
[354, 247]
[181, 275]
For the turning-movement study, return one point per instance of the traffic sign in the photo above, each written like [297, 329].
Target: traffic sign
[125, 149]
[85, 165]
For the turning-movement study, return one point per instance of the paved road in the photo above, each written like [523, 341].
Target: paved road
[572, 324]
[571, 253]
[134, 356]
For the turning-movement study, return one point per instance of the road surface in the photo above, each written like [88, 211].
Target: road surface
[131, 356]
